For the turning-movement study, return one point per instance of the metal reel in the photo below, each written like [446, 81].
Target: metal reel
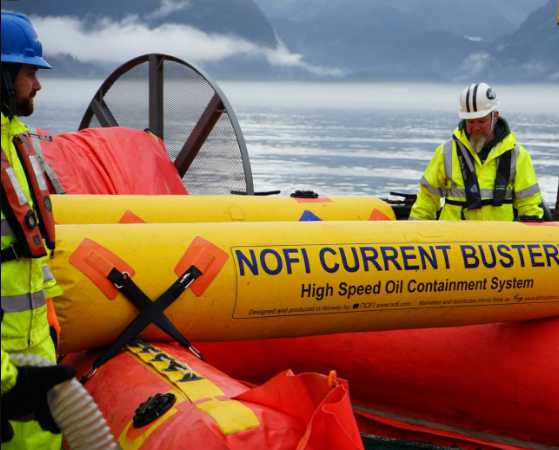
[177, 102]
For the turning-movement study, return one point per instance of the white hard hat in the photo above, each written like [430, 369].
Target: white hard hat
[476, 101]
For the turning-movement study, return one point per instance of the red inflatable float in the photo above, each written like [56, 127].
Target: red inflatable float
[492, 384]
[160, 396]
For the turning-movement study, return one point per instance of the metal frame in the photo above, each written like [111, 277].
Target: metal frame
[103, 113]
[217, 105]
[156, 94]
[199, 134]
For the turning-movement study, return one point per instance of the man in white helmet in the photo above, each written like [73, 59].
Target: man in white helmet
[482, 172]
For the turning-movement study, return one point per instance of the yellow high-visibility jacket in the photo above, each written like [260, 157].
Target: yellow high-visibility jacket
[443, 179]
[26, 282]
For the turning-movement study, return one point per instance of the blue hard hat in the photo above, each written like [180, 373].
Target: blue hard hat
[20, 43]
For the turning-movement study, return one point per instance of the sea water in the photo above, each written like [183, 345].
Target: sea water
[346, 138]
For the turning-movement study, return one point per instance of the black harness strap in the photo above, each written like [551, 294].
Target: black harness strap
[471, 184]
[502, 178]
[485, 202]
[150, 312]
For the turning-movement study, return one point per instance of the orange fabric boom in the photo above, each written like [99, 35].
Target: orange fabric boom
[213, 411]
[112, 161]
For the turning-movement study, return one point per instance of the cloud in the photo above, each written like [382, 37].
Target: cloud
[535, 69]
[474, 38]
[113, 42]
[473, 65]
[281, 56]
[169, 7]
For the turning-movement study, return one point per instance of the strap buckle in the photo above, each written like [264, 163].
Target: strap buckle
[118, 278]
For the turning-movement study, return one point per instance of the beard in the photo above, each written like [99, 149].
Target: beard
[24, 107]
[478, 142]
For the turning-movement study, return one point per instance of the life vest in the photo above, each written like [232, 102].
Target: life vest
[30, 225]
[473, 194]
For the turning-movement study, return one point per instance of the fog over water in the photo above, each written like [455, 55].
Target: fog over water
[342, 138]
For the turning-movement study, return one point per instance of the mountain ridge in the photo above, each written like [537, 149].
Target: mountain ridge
[372, 40]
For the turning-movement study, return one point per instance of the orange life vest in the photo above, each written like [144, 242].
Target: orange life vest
[30, 225]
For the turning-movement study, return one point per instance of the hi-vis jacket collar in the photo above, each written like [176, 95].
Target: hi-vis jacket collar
[11, 128]
[14, 126]
[508, 142]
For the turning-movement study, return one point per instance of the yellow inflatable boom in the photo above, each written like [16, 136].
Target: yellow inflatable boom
[262, 280]
[214, 208]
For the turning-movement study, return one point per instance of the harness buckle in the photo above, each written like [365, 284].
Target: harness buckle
[119, 285]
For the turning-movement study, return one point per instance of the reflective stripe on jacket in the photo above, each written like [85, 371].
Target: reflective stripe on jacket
[24, 322]
[443, 179]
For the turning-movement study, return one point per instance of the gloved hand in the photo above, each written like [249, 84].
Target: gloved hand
[7, 432]
[29, 396]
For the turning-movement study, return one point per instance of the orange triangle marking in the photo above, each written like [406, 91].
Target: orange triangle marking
[378, 215]
[130, 217]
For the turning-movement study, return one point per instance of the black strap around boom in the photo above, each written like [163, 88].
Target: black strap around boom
[150, 312]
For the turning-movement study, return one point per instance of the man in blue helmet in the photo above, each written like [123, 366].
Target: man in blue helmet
[27, 232]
